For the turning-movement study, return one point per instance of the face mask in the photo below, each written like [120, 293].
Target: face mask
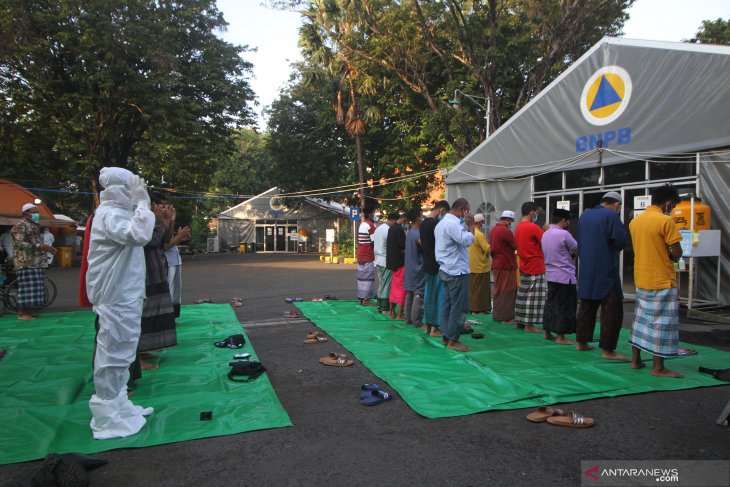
[404, 226]
[534, 220]
[36, 217]
[440, 217]
[461, 220]
[509, 225]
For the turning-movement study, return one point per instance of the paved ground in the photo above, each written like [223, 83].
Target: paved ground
[336, 441]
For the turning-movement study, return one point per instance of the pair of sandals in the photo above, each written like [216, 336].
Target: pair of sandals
[236, 302]
[314, 337]
[371, 395]
[336, 360]
[557, 417]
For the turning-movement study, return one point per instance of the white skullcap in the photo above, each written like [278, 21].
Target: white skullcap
[613, 195]
[28, 206]
[508, 214]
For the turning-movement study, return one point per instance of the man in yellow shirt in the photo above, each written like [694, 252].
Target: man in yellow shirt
[656, 247]
[480, 263]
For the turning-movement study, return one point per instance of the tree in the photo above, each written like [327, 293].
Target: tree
[132, 83]
[713, 32]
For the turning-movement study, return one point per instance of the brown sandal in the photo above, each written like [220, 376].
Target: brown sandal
[336, 360]
[543, 413]
[572, 420]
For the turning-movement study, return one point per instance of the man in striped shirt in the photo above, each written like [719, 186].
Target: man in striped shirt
[366, 258]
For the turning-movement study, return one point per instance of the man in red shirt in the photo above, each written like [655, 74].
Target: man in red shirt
[504, 266]
[532, 293]
[366, 258]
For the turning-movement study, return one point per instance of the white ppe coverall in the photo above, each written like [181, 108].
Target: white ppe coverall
[115, 284]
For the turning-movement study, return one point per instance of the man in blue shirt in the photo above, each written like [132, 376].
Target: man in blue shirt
[452, 255]
[601, 237]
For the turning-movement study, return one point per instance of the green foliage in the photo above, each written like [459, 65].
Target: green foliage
[713, 32]
[138, 84]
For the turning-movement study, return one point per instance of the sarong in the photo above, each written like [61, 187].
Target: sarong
[158, 319]
[656, 322]
[480, 295]
[384, 278]
[366, 280]
[505, 290]
[530, 300]
[560, 308]
[31, 288]
[174, 281]
[397, 291]
[433, 299]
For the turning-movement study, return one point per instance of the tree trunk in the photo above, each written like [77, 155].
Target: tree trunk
[360, 170]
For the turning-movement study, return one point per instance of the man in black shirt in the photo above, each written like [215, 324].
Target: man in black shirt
[433, 292]
[395, 261]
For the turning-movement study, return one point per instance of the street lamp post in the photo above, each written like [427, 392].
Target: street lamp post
[456, 102]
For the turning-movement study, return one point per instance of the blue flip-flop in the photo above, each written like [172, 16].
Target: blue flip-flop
[375, 398]
[367, 390]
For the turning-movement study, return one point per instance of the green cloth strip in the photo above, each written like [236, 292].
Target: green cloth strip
[507, 369]
[46, 382]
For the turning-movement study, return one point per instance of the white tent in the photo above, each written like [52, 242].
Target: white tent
[272, 226]
[627, 116]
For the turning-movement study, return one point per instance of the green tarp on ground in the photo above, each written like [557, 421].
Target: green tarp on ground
[46, 383]
[507, 369]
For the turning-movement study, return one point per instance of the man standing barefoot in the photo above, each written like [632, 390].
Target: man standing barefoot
[452, 255]
[531, 295]
[656, 246]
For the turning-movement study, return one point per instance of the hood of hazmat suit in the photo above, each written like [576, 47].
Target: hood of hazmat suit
[119, 232]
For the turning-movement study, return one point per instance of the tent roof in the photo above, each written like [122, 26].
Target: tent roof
[664, 98]
[259, 207]
[13, 197]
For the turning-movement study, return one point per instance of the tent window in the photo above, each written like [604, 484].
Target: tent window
[548, 182]
[581, 178]
[630, 172]
[670, 170]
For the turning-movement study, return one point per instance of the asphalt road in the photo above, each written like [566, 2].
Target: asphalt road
[336, 441]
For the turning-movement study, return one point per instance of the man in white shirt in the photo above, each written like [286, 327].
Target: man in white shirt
[380, 239]
[6, 242]
[452, 254]
[48, 239]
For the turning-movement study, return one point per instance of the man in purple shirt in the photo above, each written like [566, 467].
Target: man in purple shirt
[559, 248]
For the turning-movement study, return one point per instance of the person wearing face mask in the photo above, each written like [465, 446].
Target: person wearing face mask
[504, 265]
[657, 245]
[395, 262]
[532, 292]
[452, 243]
[559, 248]
[115, 285]
[29, 258]
[601, 238]
[433, 299]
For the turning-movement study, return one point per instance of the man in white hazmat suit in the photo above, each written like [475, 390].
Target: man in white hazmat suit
[115, 283]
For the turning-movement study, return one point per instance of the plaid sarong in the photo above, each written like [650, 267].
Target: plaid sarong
[656, 322]
[31, 288]
[530, 300]
[366, 280]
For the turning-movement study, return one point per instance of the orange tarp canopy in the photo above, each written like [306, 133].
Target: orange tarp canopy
[13, 197]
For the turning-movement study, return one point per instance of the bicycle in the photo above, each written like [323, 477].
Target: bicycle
[10, 295]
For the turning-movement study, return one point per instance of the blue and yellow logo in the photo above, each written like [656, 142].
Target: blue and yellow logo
[606, 95]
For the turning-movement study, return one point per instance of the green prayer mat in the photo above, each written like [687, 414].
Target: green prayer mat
[46, 382]
[507, 369]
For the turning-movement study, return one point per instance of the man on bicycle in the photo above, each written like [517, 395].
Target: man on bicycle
[30, 255]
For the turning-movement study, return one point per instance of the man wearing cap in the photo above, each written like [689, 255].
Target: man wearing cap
[380, 244]
[29, 257]
[559, 248]
[657, 245]
[531, 295]
[480, 263]
[601, 237]
[504, 266]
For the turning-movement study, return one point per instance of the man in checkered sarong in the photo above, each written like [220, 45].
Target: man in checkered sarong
[532, 293]
[30, 255]
[656, 247]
